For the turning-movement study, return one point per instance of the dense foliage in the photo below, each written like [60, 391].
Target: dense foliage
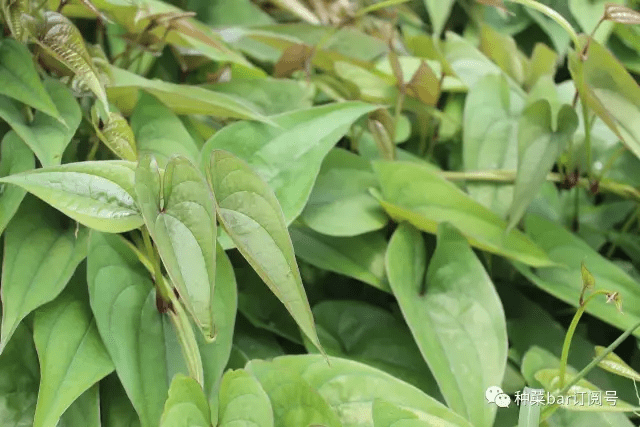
[367, 213]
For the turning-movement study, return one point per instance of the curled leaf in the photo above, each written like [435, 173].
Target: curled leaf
[621, 14]
[588, 281]
[61, 39]
[118, 136]
[13, 11]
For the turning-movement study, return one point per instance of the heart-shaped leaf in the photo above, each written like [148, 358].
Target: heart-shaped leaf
[40, 257]
[179, 212]
[251, 215]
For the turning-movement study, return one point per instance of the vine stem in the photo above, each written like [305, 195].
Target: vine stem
[549, 410]
[569, 336]
[177, 314]
[509, 177]
[553, 15]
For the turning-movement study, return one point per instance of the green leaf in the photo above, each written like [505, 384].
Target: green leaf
[351, 388]
[19, 385]
[387, 414]
[539, 145]
[490, 124]
[180, 216]
[565, 281]
[181, 99]
[186, 405]
[451, 315]
[15, 157]
[116, 408]
[84, 412]
[614, 364]
[251, 215]
[371, 335]
[588, 15]
[46, 136]
[57, 35]
[529, 413]
[40, 256]
[293, 401]
[123, 302]
[160, 133]
[610, 91]
[289, 156]
[579, 395]
[439, 11]
[417, 194]
[72, 356]
[20, 80]
[340, 203]
[269, 96]
[243, 401]
[360, 257]
[98, 194]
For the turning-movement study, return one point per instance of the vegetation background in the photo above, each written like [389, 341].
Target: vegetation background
[330, 213]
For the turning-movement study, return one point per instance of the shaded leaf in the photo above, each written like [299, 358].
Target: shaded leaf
[181, 99]
[116, 408]
[340, 203]
[251, 215]
[72, 356]
[84, 412]
[98, 194]
[46, 136]
[20, 374]
[15, 157]
[40, 256]
[360, 257]
[20, 79]
[123, 302]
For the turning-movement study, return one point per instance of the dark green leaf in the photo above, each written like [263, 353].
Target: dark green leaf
[72, 356]
[21, 81]
[15, 157]
[40, 256]
[46, 136]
